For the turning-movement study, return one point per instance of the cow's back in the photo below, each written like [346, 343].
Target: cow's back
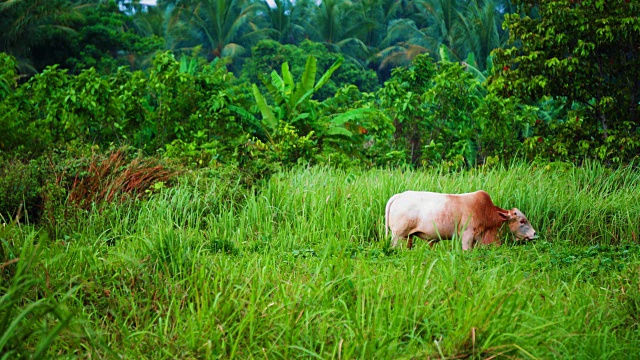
[435, 215]
[421, 213]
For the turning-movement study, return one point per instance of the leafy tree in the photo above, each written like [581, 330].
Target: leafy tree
[73, 34]
[105, 40]
[13, 109]
[586, 54]
[402, 97]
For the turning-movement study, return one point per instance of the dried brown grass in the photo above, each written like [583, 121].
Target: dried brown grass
[116, 177]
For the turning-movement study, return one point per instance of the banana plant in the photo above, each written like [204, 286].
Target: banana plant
[293, 104]
[291, 99]
[188, 65]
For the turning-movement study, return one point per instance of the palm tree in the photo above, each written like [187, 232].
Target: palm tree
[150, 23]
[222, 27]
[337, 24]
[278, 19]
[28, 23]
[478, 31]
[375, 16]
[462, 26]
[443, 17]
[404, 41]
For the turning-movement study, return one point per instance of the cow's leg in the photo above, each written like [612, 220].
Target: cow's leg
[394, 241]
[410, 242]
[467, 239]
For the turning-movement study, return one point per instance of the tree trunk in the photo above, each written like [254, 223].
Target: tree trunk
[603, 120]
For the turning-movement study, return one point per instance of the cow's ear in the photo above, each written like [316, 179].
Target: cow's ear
[507, 215]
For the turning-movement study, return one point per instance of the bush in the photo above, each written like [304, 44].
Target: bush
[146, 110]
[444, 116]
[20, 191]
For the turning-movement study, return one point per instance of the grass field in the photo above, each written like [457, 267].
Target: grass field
[300, 268]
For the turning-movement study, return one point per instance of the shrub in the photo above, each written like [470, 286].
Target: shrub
[20, 191]
[444, 115]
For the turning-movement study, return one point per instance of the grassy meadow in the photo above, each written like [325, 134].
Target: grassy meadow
[300, 268]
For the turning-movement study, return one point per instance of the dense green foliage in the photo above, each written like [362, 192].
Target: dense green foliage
[443, 115]
[584, 55]
[269, 55]
[301, 268]
[376, 33]
[73, 34]
[447, 114]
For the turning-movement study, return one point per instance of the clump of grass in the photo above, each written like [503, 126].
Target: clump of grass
[32, 316]
[116, 177]
[98, 186]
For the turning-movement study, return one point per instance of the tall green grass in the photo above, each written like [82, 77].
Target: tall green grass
[300, 268]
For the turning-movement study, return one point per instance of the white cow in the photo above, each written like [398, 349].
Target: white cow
[434, 216]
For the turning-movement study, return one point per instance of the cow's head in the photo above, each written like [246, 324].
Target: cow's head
[518, 224]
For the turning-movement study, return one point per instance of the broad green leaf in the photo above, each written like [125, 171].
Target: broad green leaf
[351, 115]
[288, 80]
[445, 54]
[277, 82]
[267, 114]
[232, 50]
[327, 75]
[183, 64]
[273, 90]
[489, 64]
[278, 90]
[309, 75]
[300, 117]
[242, 112]
[306, 83]
[303, 98]
[338, 131]
[471, 60]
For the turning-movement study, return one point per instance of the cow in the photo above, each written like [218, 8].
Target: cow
[434, 216]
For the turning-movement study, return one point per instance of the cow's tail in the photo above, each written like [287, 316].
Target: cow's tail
[386, 215]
